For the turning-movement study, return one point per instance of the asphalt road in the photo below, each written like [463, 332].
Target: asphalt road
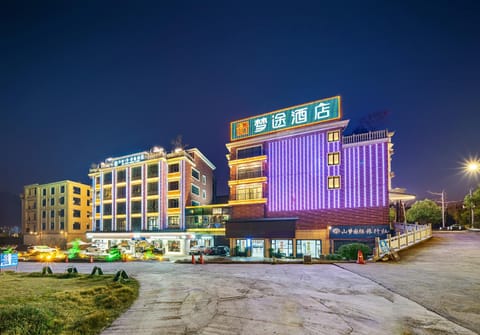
[433, 289]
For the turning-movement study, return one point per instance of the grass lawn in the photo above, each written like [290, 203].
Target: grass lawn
[68, 303]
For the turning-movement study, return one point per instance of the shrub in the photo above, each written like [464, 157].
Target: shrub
[333, 257]
[350, 251]
[26, 320]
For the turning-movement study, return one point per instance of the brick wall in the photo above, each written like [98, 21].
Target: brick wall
[248, 211]
[346, 216]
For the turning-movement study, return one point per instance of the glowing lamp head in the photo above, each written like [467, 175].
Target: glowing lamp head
[472, 167]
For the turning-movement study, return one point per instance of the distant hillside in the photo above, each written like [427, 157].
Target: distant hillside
[10, 209]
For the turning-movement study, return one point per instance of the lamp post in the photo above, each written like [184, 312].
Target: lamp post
[472, 168]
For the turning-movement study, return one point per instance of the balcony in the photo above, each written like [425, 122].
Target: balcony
[249, 174]
[366, 137]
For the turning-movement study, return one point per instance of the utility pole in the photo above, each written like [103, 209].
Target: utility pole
[471, 208]
[443, 206]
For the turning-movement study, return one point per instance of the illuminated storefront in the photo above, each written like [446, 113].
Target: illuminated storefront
[296, 165]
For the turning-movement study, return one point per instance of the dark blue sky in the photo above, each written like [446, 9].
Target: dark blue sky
[81, 81]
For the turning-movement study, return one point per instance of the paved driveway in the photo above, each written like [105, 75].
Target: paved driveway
[383, 298]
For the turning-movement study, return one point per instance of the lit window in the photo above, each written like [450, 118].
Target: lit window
[334, 158]
[173, 203]
[172, 168]
[333, 136]
[334, 182]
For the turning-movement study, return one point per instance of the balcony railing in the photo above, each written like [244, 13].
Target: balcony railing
[247, 195]
[370, 136]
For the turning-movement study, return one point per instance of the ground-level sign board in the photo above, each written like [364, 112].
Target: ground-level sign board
[7, 260]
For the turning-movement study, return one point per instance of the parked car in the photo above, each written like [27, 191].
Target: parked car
[219, 250]
[455, 227]
[197, 250]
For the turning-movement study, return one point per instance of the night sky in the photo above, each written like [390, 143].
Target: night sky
[81, 81]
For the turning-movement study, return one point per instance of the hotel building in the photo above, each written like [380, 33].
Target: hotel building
[144, 196]
[298, 186]
[55, 213]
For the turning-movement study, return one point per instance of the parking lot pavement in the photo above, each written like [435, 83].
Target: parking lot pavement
[263, 299]
[441, 274]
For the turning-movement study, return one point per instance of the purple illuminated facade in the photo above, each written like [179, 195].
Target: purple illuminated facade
[327, 188]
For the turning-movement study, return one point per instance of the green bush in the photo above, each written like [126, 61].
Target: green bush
[333, 257]
[350, 251]
[26, 320]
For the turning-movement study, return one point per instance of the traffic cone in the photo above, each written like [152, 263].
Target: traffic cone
[66, 259]
[360, 259]
[201, 259]
[193, 259]
[91, 259]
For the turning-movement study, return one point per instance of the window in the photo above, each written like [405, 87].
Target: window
[62, 225]
[121, 208]
[136, 190]
[333, 136]
[61, 213]
[136, 224]
[195, 174]
[152, 223]
[172, 168]
[173, 221]
[246, 172]
[121, 225]
[249, 152]
[195, 203]
[62, 189]
[248, 192]
[52, 213]
[334, 158]
[121, 192]
[52, 202]
[334, 182]
[77, 226]
[121, 176]
[76, 201]
[44, 202]
[97, 209]
[152, 206]
[152, 171]
[173, 186]
[44, 192]
[152, 188]
[52, 190]
[44, 214]
[107, 209]
[44, 226]
[52, 225]
[137, 173]
[107, 225]
[173, 203]
[204, 194]
[107, 178]
[88, 193]
[76, 190]
[195, 190]
[136, 207]
[62, 200]
[204, 180]
[76, 213]
[107, 193]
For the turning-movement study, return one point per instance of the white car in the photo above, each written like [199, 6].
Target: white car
[197, 250]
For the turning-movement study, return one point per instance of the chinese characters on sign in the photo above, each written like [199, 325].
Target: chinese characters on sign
[311, 113]
[129, 160]
[359, 231]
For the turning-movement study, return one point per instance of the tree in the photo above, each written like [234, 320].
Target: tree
[425, 211]
[470, 202]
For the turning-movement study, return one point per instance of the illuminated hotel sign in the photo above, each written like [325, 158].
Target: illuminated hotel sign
[361, 231]
[288, 118]
[129, 159]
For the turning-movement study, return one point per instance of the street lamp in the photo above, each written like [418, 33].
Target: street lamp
[472, 168]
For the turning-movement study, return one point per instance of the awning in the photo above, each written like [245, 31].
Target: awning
[261, 228]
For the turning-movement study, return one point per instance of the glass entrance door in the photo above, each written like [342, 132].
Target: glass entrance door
[258, 247]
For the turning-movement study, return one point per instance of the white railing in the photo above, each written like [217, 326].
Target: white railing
[412, 234]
